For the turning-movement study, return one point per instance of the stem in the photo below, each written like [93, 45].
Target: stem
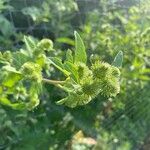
[54, 82]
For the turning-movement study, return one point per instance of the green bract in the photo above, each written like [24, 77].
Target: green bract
[21, 77]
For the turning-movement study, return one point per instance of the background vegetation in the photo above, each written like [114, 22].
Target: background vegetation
[106, 27]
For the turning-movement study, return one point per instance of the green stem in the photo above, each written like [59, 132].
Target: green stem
[54, 82]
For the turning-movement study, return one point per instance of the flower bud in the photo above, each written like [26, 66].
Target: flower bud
[45, 45]
[32, 71]
[115, 72]
[84, 72]
[91, 88]
[110, 87]
[100, 69]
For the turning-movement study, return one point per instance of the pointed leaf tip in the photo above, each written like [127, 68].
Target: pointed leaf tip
[118, 60]
[80, 52]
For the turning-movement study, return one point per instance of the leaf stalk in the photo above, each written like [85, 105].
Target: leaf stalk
[54, 82]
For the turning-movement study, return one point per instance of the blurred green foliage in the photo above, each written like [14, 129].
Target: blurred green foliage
[121, 123]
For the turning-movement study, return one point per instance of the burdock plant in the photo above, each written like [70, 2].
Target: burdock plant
[21, 77]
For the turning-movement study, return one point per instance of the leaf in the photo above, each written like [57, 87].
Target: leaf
[11, 69]
[69, 56]
[118, 60]
[19, 58]
[74, 100]
[30, 44]
[17, 106]
[12, 76]
[66, 41]
[72, 69]
[66, 88]
[11, 79]
[62, 101]
[59, 65]
[7, 27]
[80, 53]
[68, 101]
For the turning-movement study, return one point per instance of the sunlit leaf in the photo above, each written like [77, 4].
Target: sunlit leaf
[72, 69]
[80, 53]
[69, 56]
[12, 76]
[19, 59]
[58, 64]
[30, 44]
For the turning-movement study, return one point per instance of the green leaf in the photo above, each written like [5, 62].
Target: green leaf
[74, 100]
[70, 101]
[7, 27]
[65, 40]
[19, 58]
[59, 65]
[69, 56]
[17, 106]
[11, 79]
[80, 53]
[61, 102]
[72, 69]
[12, 76]
[30, 44]
[118, 60]
[11, 69]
